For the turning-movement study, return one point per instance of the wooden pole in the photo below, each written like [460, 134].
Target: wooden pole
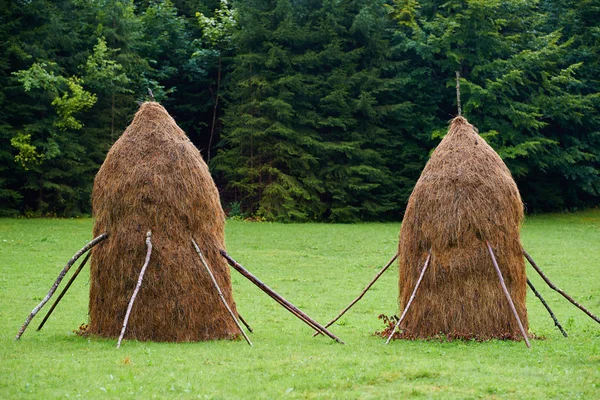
[245, 323]
[412, 297]
[62, 274]
[360, 296]
[539, 296]
[137, 287]
[566, 296]
[458, 93]
[60, 296]
[290, 307]
[279, 299]
[510, 302]
[274, 295]
[216, 285]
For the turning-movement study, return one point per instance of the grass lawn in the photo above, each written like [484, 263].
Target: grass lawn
[320, 268]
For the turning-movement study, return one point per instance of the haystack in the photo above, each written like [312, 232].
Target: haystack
[464, 197]
[154, 179]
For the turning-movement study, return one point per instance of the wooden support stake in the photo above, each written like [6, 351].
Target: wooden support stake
[245, 323]
[458, 93]
[510, 302]
[137, 287]
[566, 296]
[412, 297]
[288, 306]
[274, 295]
[216, 285]
[60, 296]
[539, 296]
[377, 276]
[62, 274]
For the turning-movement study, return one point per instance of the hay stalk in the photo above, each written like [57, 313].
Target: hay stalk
[360, 295]
[274, 295]
[566, 296]
[137, 287]
[539, 296]
[216, 285]
[60, 296]
[510, 302]
[412, 297]
[61, 276]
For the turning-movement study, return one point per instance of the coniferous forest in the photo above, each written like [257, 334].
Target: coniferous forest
[305, 110]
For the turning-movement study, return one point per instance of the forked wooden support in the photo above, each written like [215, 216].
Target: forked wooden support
[377, 276]
[216, 285]
[510, 302]
[60, 296]
[566, 296]
[539, 296]
[275, 296]
[61, 276]
[137, 287]
[412, 297]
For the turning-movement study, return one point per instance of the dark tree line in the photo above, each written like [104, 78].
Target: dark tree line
[304, 109]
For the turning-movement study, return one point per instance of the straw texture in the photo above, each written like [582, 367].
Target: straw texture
[465, 196]
[154, 179]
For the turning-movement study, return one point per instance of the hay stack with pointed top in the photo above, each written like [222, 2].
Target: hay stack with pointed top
[464, 197]
[154, 179]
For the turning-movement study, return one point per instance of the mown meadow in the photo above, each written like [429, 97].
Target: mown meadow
[320, 268]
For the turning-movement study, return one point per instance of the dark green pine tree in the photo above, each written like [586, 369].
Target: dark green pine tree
[268, 156]
[518, 87]
[11, 54]
[306, 126]
[575, 181]
[367, 118]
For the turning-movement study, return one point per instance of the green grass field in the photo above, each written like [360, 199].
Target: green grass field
[320, 268]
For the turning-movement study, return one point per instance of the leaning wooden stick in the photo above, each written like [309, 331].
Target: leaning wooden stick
[286, 304]
[279, 299]
[360, 296]
[295, 311]
[291, 308]
[539, 296]
[275, 296]
[566, 296]
[216, 285]
[137, 287]
[412, 297]
[510, 302]
[61, 276]
[60, 296]
[245, 323]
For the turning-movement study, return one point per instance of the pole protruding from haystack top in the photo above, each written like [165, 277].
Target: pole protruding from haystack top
[412, 297]
[555, 288]
[278, 298]
[137, 286]
[61, 276]
[539, 296]
[216, 285]
[377, 276]
[60, 296]
[510, 301]
[458, 93]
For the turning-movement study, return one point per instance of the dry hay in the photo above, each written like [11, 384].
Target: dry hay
[464, 197]
[154, 178]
